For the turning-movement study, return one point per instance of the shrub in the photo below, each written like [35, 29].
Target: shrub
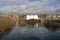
[6, 23]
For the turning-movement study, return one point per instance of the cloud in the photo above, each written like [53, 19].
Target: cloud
[39, 6]
[13, 8]
[8, 0]
[14, 2]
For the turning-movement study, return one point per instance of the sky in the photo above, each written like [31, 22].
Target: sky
[29, 6]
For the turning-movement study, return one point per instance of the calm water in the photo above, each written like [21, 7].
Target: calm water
[32, 33]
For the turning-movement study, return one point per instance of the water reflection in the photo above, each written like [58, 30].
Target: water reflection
[26, 32]
[53, 35]
[30, 33]
[5, 32]
[52, 26]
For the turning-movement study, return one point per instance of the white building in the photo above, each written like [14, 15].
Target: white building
[32, 17]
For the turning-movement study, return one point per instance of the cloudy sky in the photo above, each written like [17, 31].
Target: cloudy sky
[29, 6]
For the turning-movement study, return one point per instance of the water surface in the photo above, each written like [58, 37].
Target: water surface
[31, 33]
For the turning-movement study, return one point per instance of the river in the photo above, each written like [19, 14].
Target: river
[31, 33]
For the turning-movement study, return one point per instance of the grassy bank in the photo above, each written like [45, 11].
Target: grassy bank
[22, 22]
[6, 24]
[53, 24]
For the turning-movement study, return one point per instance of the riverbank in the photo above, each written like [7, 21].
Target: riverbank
[54, 24]
[6, 24]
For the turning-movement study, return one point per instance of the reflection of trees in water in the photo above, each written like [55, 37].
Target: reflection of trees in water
[30, 22]
[33, 22]
[1, 34]
[6, 32]
[52, 25]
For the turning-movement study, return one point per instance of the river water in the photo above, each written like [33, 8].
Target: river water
[31, 33]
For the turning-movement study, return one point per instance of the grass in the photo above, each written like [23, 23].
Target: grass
[22, 22]
[6, 24]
